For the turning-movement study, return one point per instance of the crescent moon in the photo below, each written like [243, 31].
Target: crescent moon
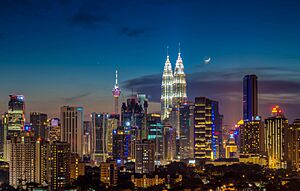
[206, 61]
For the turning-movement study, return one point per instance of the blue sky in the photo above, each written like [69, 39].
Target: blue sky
[58, 52]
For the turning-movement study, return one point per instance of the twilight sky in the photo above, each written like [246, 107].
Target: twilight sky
[63, 52]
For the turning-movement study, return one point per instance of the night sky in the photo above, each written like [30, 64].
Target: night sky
[63, 52]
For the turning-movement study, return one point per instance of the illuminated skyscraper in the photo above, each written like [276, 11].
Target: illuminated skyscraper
[166, 90]
[102, 127]
[16, 112]
[87, 138]
[186, 130]
[251, 137]
[72, 128]
[294, 145]
[38, 122]
[208, 122]
[155, 133]
[116, 93]
[13, 121]
[276, 129]
[133, 120]
[58, 165]
[23, 160]
[250, 103]
[54, 130]
[179, 83]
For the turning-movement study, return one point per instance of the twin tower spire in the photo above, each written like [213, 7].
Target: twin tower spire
[173, 87]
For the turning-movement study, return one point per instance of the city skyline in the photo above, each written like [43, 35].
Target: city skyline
[149, 95]
[49, 43]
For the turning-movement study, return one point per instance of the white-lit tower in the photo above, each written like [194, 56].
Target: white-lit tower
[166, 90]
[116, 93]
[179, 83]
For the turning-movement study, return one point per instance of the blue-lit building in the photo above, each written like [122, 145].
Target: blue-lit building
[207, 129]
[186, 130]
[134, 120]
[250, 102]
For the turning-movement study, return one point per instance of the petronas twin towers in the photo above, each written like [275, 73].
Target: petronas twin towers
[173, 87]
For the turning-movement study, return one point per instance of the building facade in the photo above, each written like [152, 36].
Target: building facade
[72, 128]
[13, 121]
[144, 156]
[169, 143]
[252, 137]
[38, 123]
[275, 137]
[207, 125]
[294, 145]
[23, 163]
[58, 165]
[250, 101]
[186, 129]
[155, 133]
[109, 173]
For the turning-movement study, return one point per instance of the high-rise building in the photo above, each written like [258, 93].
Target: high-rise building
[87, 138]
[174, 120]
[59, 155]
[133, 120]
[252, 137]
[294, 145]
[144, 156]
[23, 162]
[208, 123]
[74, 166]
[275, 132]
[169, 143]
[250, 103]
[112, 124]
[166, 90]
[13, 121]
[54, 130]
[119, 145]
[179, 83]
[16, 112]
[116, 93]
[1, 139]
[109, 173]
[155, 133]
[102, 126]
[99, 128]
[186, 129]
[38, 122]
[72, 128]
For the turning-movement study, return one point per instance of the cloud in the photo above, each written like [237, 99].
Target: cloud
[133, 32]
[89, 18]
[76, 98]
